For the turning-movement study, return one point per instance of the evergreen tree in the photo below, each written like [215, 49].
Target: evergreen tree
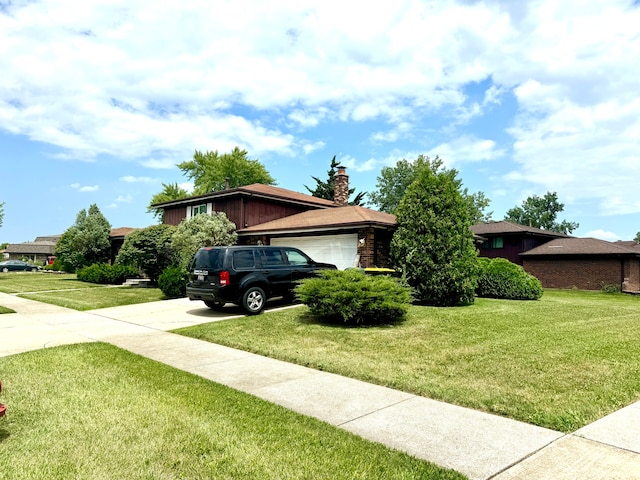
[86, 242]
[326, 189]
[149, 250]
[433, 245]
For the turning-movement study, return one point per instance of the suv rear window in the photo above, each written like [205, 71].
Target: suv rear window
[208, 259]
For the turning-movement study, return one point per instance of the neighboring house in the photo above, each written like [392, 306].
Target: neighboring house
[117, 236]
[42, 248]
[328, 231]
[508, 240]
[37, 251]
[585, 263]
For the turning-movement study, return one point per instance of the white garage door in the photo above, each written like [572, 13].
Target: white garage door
[341, 250]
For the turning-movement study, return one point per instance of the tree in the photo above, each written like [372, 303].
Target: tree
[394, 181]
[637, 238]
[171, 191]
[86, 242]
[210, 171]
[541, 212]
[1, 213]
[433, 245]
[327, 190]
[149, 250]
[202, 231]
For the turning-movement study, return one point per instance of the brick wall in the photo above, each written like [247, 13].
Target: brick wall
[582, 273]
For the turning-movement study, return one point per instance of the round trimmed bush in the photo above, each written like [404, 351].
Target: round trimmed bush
[173, 282]
[354, 298]
[104, 273]
[500, 278]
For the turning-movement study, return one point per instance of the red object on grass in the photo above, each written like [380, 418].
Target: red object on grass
[3, 408]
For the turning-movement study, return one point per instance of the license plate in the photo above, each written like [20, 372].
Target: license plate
[201, 278]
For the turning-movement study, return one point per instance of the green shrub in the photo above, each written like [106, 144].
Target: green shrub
[173, 282]
[500, 278]
[610, 288]
[103, 273]
[353, 298]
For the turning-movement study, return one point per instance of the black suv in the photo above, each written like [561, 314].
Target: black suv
[247, 275]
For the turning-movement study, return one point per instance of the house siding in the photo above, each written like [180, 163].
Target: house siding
[582, 273]
[243, 212]
[513, 246]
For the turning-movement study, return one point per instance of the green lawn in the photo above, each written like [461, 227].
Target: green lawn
[20, 282]
[560, 362]
[94, 411]
[66, 291]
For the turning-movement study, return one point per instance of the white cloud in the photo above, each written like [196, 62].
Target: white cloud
[133, 179]
[312, 147]
[467, 149]
[148, 82]
[124, 199]
[603, 235]
[85, 188]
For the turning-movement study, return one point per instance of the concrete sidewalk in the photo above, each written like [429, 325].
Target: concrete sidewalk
[480, 445]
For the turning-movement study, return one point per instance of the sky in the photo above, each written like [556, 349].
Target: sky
[99, 100]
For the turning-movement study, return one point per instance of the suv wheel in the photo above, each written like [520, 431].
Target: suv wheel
[253, 300]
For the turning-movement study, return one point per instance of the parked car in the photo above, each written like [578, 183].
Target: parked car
[247, 275]
[19, 265]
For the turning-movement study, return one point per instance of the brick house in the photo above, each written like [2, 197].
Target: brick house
[508, 240]
[328, 231]
[585, 263]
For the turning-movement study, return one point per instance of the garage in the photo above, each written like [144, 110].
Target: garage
[341, 250]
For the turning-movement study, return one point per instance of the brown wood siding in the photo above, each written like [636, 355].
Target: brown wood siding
[173, 216]
[513, 246]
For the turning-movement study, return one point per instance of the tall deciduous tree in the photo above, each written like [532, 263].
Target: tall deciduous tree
[210, 171]
[170, 191]
[86, 242]
[394, 181]
[541, 212]
[202, 231]
[433, 245]
[326, 189]
[149, 250]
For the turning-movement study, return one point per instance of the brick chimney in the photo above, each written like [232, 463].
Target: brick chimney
[341, 188]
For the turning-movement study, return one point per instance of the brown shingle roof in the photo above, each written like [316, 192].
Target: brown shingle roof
[334, 218]
[121, 231]
[31, 248]
[581, 246]
[505, 227]
[255, 189]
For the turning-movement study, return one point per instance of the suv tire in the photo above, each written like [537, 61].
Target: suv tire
[253, 300]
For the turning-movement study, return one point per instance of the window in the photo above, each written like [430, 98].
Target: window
[495, 242]
[296, 258]
[198, 209]
[243, 259]
[271, 258]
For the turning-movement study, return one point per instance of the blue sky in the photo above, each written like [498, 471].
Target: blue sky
[100, 100]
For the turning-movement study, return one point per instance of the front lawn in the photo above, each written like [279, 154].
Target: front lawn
[20, 282]
[67, 291]
[560, 362]
[93, 411]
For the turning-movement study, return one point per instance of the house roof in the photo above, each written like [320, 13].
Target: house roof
[121, 232]
[324, 219]
[253, 190]
[31, 248]
[582, 246]
[504, 227]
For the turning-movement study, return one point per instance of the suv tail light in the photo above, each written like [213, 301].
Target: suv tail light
[224, 278]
